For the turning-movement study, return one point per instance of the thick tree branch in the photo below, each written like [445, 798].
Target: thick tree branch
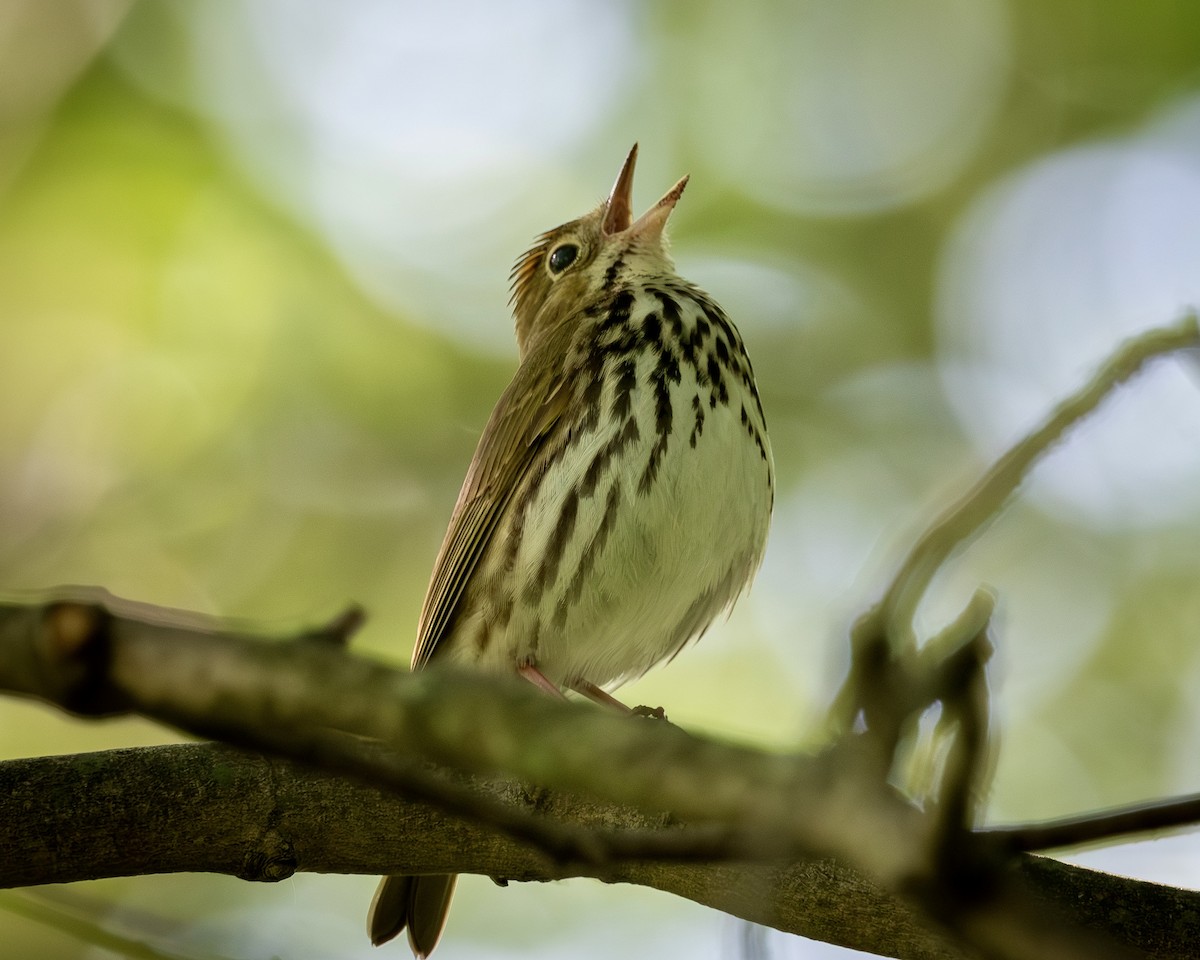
[204, 807]
[286, 697]
[739, 817]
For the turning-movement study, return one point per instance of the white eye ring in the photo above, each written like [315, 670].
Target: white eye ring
[562, 257]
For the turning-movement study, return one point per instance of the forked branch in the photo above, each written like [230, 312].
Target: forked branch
[730, 808]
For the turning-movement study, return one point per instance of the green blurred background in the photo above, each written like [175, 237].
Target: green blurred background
[253, 263]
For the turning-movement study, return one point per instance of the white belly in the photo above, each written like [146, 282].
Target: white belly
[647, 566]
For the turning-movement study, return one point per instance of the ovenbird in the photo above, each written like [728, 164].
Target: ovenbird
[620, 494]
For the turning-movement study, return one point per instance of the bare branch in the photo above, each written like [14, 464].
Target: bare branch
[307, 699]
[893, 678]
[284, 698]
[1101, 825]
[205, 807]
[984, 500]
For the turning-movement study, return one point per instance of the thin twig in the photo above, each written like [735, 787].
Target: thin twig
[965, 700]
[1099, 826]
[984, 500]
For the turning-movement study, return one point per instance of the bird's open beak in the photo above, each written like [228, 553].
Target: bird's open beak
[618, 210]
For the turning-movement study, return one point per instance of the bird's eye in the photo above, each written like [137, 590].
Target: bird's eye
[562, 257]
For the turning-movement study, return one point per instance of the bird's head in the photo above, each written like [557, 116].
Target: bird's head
[582, 261]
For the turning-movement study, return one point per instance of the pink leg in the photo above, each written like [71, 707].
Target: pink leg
[584, 687]
[539, 680]
[596, 695]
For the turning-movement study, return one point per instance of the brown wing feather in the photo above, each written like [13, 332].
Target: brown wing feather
[526, 413]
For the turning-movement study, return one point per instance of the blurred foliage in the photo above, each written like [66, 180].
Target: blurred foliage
[203, 403]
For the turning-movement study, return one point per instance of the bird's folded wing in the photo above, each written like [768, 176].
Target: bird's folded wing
[527, 413]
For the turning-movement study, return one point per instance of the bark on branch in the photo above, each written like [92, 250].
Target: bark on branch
[821, 844]
[770, 826]
[209, 808]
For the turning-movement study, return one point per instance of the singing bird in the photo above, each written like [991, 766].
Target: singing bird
[619, 497]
